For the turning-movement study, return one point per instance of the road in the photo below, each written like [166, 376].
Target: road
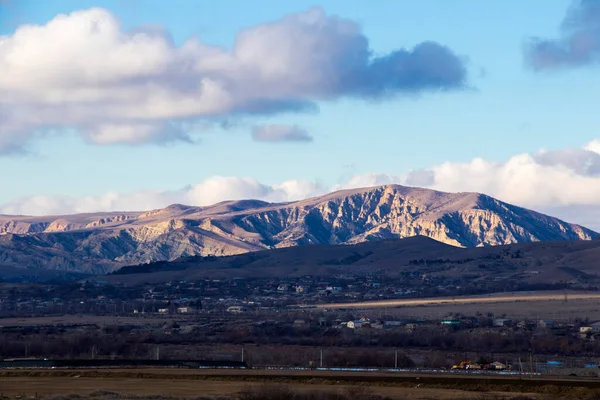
[494, 298]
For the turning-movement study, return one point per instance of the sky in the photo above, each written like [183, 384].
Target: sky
[137, 104]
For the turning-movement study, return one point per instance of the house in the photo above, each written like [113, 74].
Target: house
[283, 287]
[527, 325]
[332, 290]
[237, 309]
[451, 322]
[502, 322]
[586, 329]
[392, 324]
[354, 324]
[163, 310]
[595, 327]
[497, 366]
[545, 324]
[361, 323]
[185, 310]
[300, 289]
[585, 332]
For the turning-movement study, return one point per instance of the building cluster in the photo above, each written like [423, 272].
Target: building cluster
[206, 295]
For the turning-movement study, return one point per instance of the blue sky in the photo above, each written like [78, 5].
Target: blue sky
[504, 109]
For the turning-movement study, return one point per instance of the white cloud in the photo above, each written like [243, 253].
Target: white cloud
[366, 180]
[135, 133]
[57, 205]
[520, 180]
[539, 180]
[210, 191]
[216, 189]
[81, 71]
[563, 183]
[594, 146]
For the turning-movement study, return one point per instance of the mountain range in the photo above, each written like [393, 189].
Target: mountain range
[102, 242]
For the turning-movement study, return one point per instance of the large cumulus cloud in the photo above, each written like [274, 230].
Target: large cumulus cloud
[578, 43]
[83, 72]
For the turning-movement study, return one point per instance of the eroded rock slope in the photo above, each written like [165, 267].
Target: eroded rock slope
[102, 242]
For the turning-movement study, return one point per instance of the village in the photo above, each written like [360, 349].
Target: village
[98, 296]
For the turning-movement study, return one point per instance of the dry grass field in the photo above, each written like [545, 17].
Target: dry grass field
[46, 387]
[533, 305]
[188, 384]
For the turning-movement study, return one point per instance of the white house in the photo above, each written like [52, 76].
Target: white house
[237, 309]
[361, 323]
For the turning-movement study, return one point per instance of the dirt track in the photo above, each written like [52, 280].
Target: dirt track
[503, 298]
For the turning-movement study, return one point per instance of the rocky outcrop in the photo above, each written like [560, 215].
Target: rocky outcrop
[103, 242]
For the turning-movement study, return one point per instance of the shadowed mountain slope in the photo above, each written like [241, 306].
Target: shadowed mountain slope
[539, 262]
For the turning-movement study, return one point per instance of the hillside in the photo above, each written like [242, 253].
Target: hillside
[102, 242]
[540, 262]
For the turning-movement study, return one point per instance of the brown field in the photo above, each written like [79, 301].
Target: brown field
[516, 305]
[194, 383]
[190, 389]
[553, 310]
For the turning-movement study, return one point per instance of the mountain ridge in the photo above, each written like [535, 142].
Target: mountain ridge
[101, 242]
[544, 263]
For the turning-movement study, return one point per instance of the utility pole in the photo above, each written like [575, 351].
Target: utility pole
[520, 369]
[157, 352]
[242, 354]
[530, 362]
[321, 364]
[396, 360]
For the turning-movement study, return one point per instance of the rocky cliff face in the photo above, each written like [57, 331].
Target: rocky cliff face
[102, 242]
